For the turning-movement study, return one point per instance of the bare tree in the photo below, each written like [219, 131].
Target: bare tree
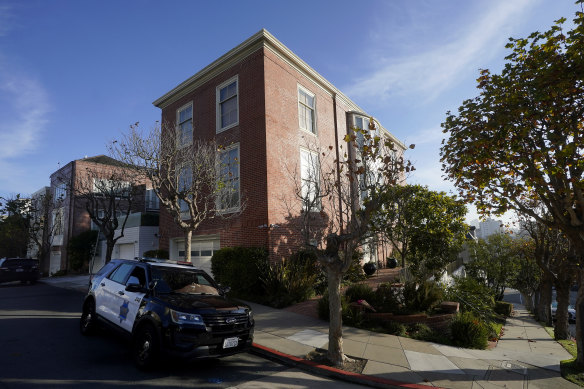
[41, 229]
[108, 192]
[194, 179]
[346, 184]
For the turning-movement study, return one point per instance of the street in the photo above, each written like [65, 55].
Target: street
[41, 345]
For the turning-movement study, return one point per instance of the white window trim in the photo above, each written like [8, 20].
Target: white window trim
[225, 150]
[186, 214]
[308, 92]
[318, 206]
[218, 106]
[178, 133]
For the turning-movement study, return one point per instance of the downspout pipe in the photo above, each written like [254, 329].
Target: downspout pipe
[338, 162]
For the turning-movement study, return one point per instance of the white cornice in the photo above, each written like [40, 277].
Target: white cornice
[262, 39]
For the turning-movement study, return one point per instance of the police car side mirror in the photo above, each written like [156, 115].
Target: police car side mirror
[224, 289]
[136, 288]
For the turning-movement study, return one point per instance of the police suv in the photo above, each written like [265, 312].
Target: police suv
[166, 307]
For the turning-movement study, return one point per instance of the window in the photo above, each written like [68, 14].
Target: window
[306, 110]
[121, 273]
[185, 182]
[184, 119]
[310, 177]
[152, 201]
[104, 186]
[60, 193]
[57, 221]
[227, 104]
[228, 196]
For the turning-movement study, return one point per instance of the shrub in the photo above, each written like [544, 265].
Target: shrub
[422, 297]
[473, 296]
[360, 292]
[468, 331]
[395, 328]
[287, 282]
[312, 267]
[421, 331]
[80, 249]
[239, 268]
[503, 308]
[162, 254]
[388, 298]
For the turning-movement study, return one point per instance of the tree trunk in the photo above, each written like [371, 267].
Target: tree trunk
[188, 236]
[109, 249]
[543, 307]
[562, 329]
[527, 301]
[335, 348]
[580, 319]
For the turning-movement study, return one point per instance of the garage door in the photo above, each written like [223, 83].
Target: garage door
[126, 251]
[201, 253]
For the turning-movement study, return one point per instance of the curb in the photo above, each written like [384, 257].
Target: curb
[355, 378]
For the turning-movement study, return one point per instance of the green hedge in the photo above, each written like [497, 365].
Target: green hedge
[239, 268]
[469, 332]
[503, 308]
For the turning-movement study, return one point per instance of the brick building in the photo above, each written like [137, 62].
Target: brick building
[269, 107]
[69, 216]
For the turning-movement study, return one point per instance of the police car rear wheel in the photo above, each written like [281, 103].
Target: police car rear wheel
[87, 322]
[145, 347]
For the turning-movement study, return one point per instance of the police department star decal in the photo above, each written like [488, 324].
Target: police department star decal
[124, 311]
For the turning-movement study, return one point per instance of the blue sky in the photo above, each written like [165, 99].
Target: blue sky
[75, 74]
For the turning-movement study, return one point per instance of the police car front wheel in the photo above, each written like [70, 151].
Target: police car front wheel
[145, 346]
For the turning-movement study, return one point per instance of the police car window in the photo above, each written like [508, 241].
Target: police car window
[171, 280]
[121, 273]
[138, 276]
[106, 268]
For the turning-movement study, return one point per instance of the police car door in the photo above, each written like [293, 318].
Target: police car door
[107, 297]
[130, 301]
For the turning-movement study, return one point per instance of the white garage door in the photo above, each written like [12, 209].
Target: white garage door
[126, 251]
[201, 253]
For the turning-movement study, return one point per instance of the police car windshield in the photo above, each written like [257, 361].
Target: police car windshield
[184, 281]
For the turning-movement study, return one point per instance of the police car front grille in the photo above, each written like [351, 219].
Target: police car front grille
[224, 322]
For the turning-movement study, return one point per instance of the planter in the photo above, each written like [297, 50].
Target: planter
[391, 263]
[369, 268]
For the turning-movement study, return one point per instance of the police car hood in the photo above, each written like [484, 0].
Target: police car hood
[194, 302]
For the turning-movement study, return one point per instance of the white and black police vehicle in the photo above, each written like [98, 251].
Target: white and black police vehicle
[166, 308]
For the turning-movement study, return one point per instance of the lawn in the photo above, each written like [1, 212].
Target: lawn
[570, 370]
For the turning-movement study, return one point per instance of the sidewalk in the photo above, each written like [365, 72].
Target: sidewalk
[525, 356]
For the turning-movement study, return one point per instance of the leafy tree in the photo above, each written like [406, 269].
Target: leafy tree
[495, 261]
[14, 221]
[551, 250]
[191, 177]
[348, 188]
[520, 143]
[80, 249]
[528, 274]
[425, 227]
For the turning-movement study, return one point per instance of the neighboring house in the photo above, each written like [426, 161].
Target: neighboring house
[265, 105]
[69, 216]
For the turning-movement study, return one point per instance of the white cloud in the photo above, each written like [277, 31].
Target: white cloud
[427, 74]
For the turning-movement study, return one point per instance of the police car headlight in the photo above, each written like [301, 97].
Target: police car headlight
[186, 318]
[250, 316]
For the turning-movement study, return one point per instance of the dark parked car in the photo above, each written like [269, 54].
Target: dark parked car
[19, 269]
[166, 308]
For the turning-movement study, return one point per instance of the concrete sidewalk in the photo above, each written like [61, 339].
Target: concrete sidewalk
[525, 356]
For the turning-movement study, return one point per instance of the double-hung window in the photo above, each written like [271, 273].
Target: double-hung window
[184, 185]
[227, 104]
[306, 110]
[184, 121]
[310, 180]
[228, 193]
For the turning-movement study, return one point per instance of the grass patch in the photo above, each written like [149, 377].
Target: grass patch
[496, 329]
[570, 370]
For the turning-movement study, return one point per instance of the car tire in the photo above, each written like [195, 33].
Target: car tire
[145, 346]
[87, 322]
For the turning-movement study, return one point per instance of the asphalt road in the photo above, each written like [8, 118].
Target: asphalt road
[40, 346]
